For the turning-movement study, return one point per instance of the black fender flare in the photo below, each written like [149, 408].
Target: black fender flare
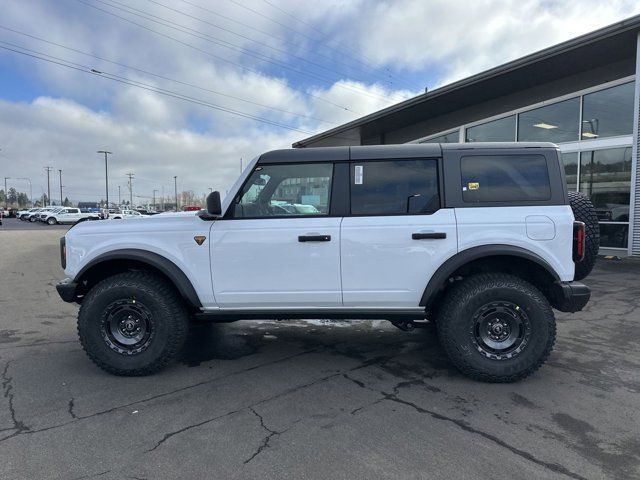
[460, 259]
[167, 267]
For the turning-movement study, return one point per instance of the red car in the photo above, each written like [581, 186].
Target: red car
[191, 208]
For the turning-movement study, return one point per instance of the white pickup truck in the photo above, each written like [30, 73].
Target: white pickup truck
[483, 240]
[67, 215]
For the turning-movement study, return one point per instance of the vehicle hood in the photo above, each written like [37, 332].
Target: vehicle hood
[147, 224]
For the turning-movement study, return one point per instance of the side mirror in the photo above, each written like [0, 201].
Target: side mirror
[214, 206]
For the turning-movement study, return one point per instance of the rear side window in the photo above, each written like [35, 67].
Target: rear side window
[394, 187]
[505, 178]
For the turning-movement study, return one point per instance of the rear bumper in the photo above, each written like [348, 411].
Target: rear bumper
[67, 290]
[570, 296]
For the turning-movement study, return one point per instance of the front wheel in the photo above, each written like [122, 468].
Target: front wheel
[51, 221]
[132, 324]
[496, 328]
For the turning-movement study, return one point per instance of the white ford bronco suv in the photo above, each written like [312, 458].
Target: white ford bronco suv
[483, 240]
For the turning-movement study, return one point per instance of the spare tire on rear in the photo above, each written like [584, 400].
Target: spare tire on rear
[584, 211]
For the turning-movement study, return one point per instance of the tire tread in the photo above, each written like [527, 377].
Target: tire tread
[460, 295]
[176, 314]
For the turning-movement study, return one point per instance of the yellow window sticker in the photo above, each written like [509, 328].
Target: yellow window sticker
[474, 185]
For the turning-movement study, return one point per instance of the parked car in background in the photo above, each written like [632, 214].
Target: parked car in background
[35, 216]
[145, 211]
[191, 208]
[127, 214]
[44, 214]
[68, 215]
[26, 214]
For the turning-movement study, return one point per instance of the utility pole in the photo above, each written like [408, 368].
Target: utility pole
[48, 169]
[60, 171]
[106, 173]
[154, 198]
[175, 187]
[130, 175]
[6, 194]
[119, 201]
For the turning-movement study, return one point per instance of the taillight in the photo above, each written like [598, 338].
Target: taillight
[578, 241]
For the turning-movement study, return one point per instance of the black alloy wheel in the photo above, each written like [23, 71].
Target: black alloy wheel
[500, 330]
[127, 327]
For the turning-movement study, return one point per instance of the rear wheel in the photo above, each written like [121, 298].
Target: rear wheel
[52, 221]
[132, 324]
[496, 327]
[584, 211]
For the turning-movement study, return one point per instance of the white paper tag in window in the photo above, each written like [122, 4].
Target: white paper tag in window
[358, 174]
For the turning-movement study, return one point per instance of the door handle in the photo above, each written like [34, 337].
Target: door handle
[430, 235]
[314, 238]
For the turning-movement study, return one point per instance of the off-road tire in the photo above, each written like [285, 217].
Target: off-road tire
[159, 297]
[51, 221]
[584, 211]
[456, 322]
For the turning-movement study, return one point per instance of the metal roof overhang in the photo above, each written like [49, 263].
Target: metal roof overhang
[602, 47]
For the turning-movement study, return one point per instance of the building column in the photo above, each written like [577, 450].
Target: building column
[634, 212]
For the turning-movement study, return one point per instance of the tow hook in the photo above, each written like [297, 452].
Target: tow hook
[409, 325]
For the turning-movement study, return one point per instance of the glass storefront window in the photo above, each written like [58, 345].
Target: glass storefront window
[608, 113]
[451, 137]
[552, 123]
[501, 130]
[570, 162]
[605, 175]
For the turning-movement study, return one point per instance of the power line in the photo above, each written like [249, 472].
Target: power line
[284, 40]
[223, 43]
[169, 93]
[222, 59]
[267, 17]
[146, 72]
[262, 44]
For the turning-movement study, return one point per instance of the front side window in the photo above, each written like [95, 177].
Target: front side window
[286, 190]
[396, 187]
[505, 178]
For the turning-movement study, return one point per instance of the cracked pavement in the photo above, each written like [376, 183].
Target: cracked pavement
[311, 399]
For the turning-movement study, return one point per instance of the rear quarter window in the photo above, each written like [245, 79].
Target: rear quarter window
[505, 178]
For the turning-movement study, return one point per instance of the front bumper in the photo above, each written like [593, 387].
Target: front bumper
[67, 290]
[570, 296]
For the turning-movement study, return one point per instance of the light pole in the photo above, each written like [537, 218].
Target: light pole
[60, 171]
[48, 169]
[106, 173]
[30, 189]
[119, 201]
[6, 194]
[154, 198]
[175, 187]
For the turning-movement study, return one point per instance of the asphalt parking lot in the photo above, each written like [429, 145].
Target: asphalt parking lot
[15, 224]
[311, 399]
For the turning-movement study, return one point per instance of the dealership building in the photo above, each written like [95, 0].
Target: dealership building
[583, 95]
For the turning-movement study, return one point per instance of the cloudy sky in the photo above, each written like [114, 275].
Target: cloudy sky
[189, 87]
